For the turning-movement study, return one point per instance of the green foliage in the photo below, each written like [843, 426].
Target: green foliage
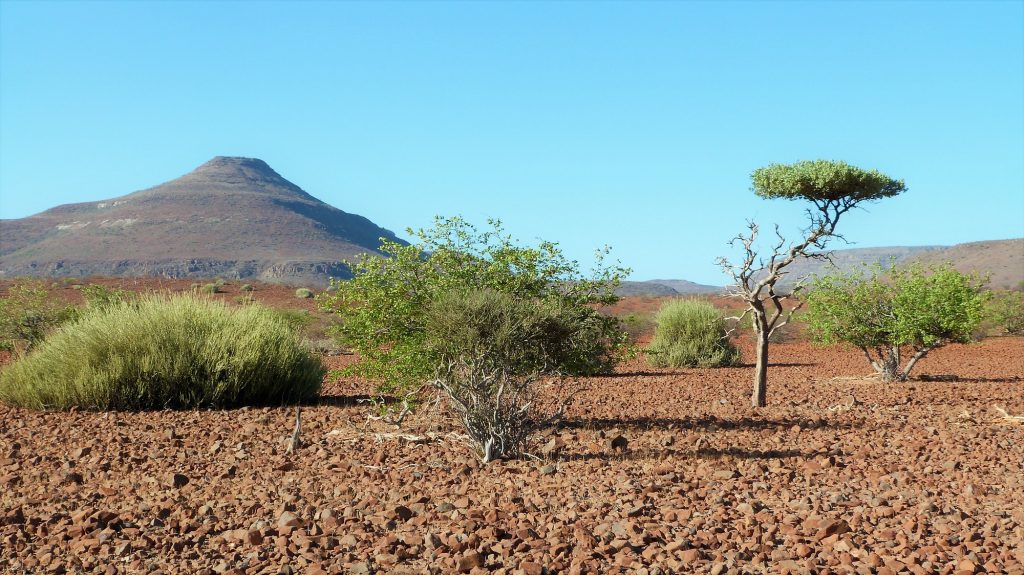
[28, 314]
[638, 325]
[490, 347]
[523, 336]
[165, 352]
[823, 180]
[210, 289]
[304, 293]
[245, 288]
[383, 307]
[691, 333]
[101, 297]
[1003, 314]
[915, 308]
[297, 319]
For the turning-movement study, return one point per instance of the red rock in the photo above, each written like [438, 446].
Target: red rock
[531, 568]
[967, 565]
[467, 562]
[832, 527]
[689, 556]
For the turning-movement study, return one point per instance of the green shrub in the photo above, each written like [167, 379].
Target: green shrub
[297, 319]
[896, 316]
[490, 349]
[524, 335]
[638, 325]
[690, 333]
[28, 314]
[1003, 314]
[165, 352]
[99, 297]
[210, 288]
[381, 309]
[245, 287]
[303, 293]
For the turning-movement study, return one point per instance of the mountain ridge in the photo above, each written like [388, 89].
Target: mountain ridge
[233, 217]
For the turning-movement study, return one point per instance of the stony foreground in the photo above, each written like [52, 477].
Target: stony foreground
[654, 472]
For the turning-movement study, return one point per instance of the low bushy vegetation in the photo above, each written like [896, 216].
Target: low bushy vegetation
[165, 352]
[382, 308]
[28, 314]
[1003, 314]
[895, 316]
[638, 326]
[304, 293]
[210, 289]
[690, 333]
[245, 288]
[492, 348]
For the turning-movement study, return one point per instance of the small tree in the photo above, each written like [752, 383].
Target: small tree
[832, 188]
[382, 308]
[895, 314]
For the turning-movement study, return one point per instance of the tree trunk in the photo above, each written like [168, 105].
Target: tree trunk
[889, 365]
[759, 397]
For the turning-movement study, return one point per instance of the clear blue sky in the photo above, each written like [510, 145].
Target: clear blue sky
[629, 124]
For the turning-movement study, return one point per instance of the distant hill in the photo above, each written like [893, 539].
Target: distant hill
[231, 217]
[665, 288]
[1003, 260]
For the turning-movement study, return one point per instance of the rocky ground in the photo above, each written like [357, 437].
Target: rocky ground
[653, 472]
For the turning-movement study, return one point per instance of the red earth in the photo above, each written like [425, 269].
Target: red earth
[841, 473]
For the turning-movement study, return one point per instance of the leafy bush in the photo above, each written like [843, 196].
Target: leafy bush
[1003, 314]
[210, 289]
[245, 288]
[101, 297]
[894, 313]
[690, 333]
[297, 319]
[638, 325]
[165, 352]
[525, 335]
[304, 293]
[382, 308]
[491, 349]
[28, 314]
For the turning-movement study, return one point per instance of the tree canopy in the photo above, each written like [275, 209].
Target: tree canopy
[823, 181]
[884, 314]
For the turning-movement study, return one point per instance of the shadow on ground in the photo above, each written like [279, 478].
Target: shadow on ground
[709, 423]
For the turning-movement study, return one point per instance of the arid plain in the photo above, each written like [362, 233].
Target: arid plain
[653, 471]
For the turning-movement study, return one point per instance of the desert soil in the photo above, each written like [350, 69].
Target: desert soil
[654, 471]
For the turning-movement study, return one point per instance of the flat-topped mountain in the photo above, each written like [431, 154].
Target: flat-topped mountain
[231, 217]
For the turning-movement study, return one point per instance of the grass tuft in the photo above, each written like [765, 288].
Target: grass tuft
[158, 352]
[690, 333]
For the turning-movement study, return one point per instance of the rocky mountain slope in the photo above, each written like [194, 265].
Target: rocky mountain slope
[231, 217]
[1001, 260]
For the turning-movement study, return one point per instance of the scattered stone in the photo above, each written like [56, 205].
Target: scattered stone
[617, 443]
